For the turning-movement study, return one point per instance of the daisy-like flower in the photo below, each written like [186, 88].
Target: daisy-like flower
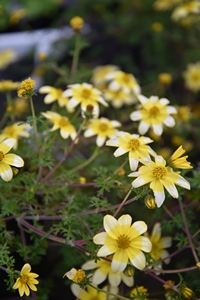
[154, 113]
[75, 275]
[15, 131]
[103, 128]
[119, 98]
[192, 77]
[103, 270]
[91, 293]
[26, 281]
[100, 73]
[136, 146]
[8, 160]
[8, 85]
[159, 176]
[55, 94]
[183, 10]
[85, 95]
[159, 244]
[176, 161]
[125, 81]
[124, 241]
[62, 123]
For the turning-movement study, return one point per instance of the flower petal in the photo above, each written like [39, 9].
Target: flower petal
[13, 160]
[5, 172]
[119, 261]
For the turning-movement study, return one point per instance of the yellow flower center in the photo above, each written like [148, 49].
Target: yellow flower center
[86, 93]
[1, 155]
[103, 127]
[196, 77]
[134, 144]
[63, 122]
[123, 241]
[159, 172]
[9, 131]
[79, 276]
[126, 78]
[154, 111]
[24, 279]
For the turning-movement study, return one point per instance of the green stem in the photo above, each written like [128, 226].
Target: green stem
[87, 162]
[76, 55]
[34, 124]
[108, 293]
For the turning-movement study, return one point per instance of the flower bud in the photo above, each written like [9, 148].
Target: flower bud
[187, 293]
[150, 202]
[129, 271]
[76, 23]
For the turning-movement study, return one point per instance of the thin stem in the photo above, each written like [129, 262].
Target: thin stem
[123, 202]
[87, 162]
[163, 281]
[188, 232]
[34, 124]
[76, 55]
[108, 293]
[65, 154]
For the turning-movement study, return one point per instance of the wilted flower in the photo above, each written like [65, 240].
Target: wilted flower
[26, 88]
[75, 275]
[176, 161]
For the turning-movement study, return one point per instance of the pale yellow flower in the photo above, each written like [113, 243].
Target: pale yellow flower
[133, 144]
[159, 176]
[75, 275]
[124, 241]
[85, 95]
[8, 85]
[91, 293]
[176, 161]
[103, 128]
[154, 113]
[159, 244]
[125, 81]
[16, 131]
[185, 9]
[76, 23]
[119, 98]
[8, 159]
[7, 57]
[55, 94]
[20, 106]
[26, 281]
[100, 72]
[192, 76]
[62, 123]
[165, 78]
[103, 270]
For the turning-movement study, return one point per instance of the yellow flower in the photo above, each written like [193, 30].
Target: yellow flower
[99, 74]
[103, 128]
[192, 76]
[8, 160]
[26, 281]
[165, 4]
[62, 123]
[17, 15]
[154, 113]
[7, 56]
[157, 26]
[187, 293]
[159, 244]
[85, 95]
[75, 275]
[135, 145]
[165, 78]
[25, 88]
[183, 113]
[139, 291]
[183, 10]
[119, 98]
[15, 131]
[103, 270]
[8, 85]
[121, 80]
[55, 94]
[124, 241]
[176, 161]
[159, 176]
[91, 293]
[76, 23]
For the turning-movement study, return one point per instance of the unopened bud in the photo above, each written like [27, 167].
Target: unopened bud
[150, 202]
[187, 293]
[129, 271]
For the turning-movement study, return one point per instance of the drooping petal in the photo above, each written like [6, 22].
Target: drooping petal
[129, 281]
[159, 198]
[166, 241]
[100, 141]
[143, 127]
[169, 121]
[114, 279]
[119, 261]
[156, 233]
[137, 258]
[158, 129]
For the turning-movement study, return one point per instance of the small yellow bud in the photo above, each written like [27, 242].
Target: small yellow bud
[165, 78]
[150, 202]
[75, 275]
[157, 27]
[15, 171]
[187, 293]
[129, 271]
[82, 179]
[76, 23]
[121, 172]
